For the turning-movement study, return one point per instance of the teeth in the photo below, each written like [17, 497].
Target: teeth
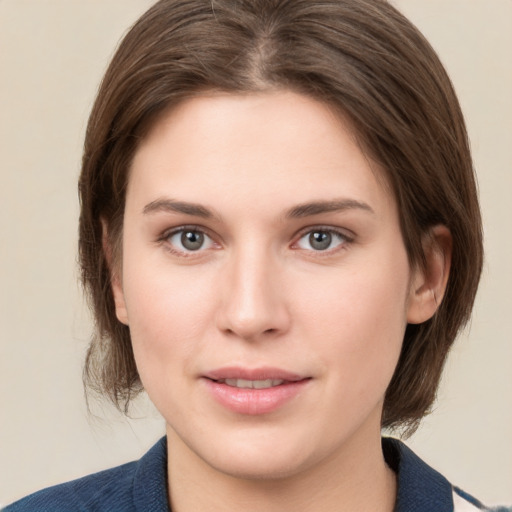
[253, 384]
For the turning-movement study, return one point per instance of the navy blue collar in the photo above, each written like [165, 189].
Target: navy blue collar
[420, 488]
[150, 480]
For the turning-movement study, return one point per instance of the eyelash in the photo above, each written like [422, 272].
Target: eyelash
[166, 236]
[344, 238]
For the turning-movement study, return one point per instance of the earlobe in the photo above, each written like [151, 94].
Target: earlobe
[115, 280]
[428, 283]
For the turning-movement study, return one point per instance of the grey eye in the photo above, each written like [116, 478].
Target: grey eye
[190, 240]
[320, 240]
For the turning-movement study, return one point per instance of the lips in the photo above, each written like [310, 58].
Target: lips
[252, 384]
[254, 391]
[253, 374]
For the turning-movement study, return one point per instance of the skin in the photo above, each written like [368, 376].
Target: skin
[259, 293]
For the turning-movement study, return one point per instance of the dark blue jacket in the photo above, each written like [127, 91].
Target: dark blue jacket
[141, 486]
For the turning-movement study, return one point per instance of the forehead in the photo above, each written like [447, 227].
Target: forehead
[266, 146]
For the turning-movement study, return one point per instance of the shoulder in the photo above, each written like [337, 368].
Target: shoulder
[87, 493]
[421, 488]
[120, 488]
[464, 502]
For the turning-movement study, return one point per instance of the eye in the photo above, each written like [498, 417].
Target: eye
[187, 240]
[321, 240]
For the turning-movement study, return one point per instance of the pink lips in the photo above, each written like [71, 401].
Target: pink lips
[253, 401]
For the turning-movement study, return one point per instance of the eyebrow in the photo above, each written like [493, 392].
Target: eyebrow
[318, 207]
[172, 206]
[297, 212]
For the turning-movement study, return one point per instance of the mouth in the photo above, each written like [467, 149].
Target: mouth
[254, 392]
[240, 377]
[252, 384]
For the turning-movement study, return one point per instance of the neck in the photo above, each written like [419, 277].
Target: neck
[357, 479]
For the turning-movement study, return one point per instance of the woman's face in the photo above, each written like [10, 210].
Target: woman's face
[265, 282]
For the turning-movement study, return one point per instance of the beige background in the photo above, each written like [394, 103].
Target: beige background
[52, 55]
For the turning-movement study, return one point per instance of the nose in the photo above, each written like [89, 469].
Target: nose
[253, 298]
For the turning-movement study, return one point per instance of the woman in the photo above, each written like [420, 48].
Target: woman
[281, 238]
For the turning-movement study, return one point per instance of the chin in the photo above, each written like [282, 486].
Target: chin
[261, 466]
[264, 454]
[246, 452]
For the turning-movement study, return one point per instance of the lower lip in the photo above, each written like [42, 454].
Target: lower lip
[254, 401]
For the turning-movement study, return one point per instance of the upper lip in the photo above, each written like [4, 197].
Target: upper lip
[264, 373]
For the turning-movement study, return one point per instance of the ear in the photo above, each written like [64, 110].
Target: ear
[115, 279]
[428, 284]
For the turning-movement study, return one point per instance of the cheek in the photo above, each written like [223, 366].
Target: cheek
[168, 313]
[359, 318]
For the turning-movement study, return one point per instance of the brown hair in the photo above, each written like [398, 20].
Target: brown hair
[363, 57]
